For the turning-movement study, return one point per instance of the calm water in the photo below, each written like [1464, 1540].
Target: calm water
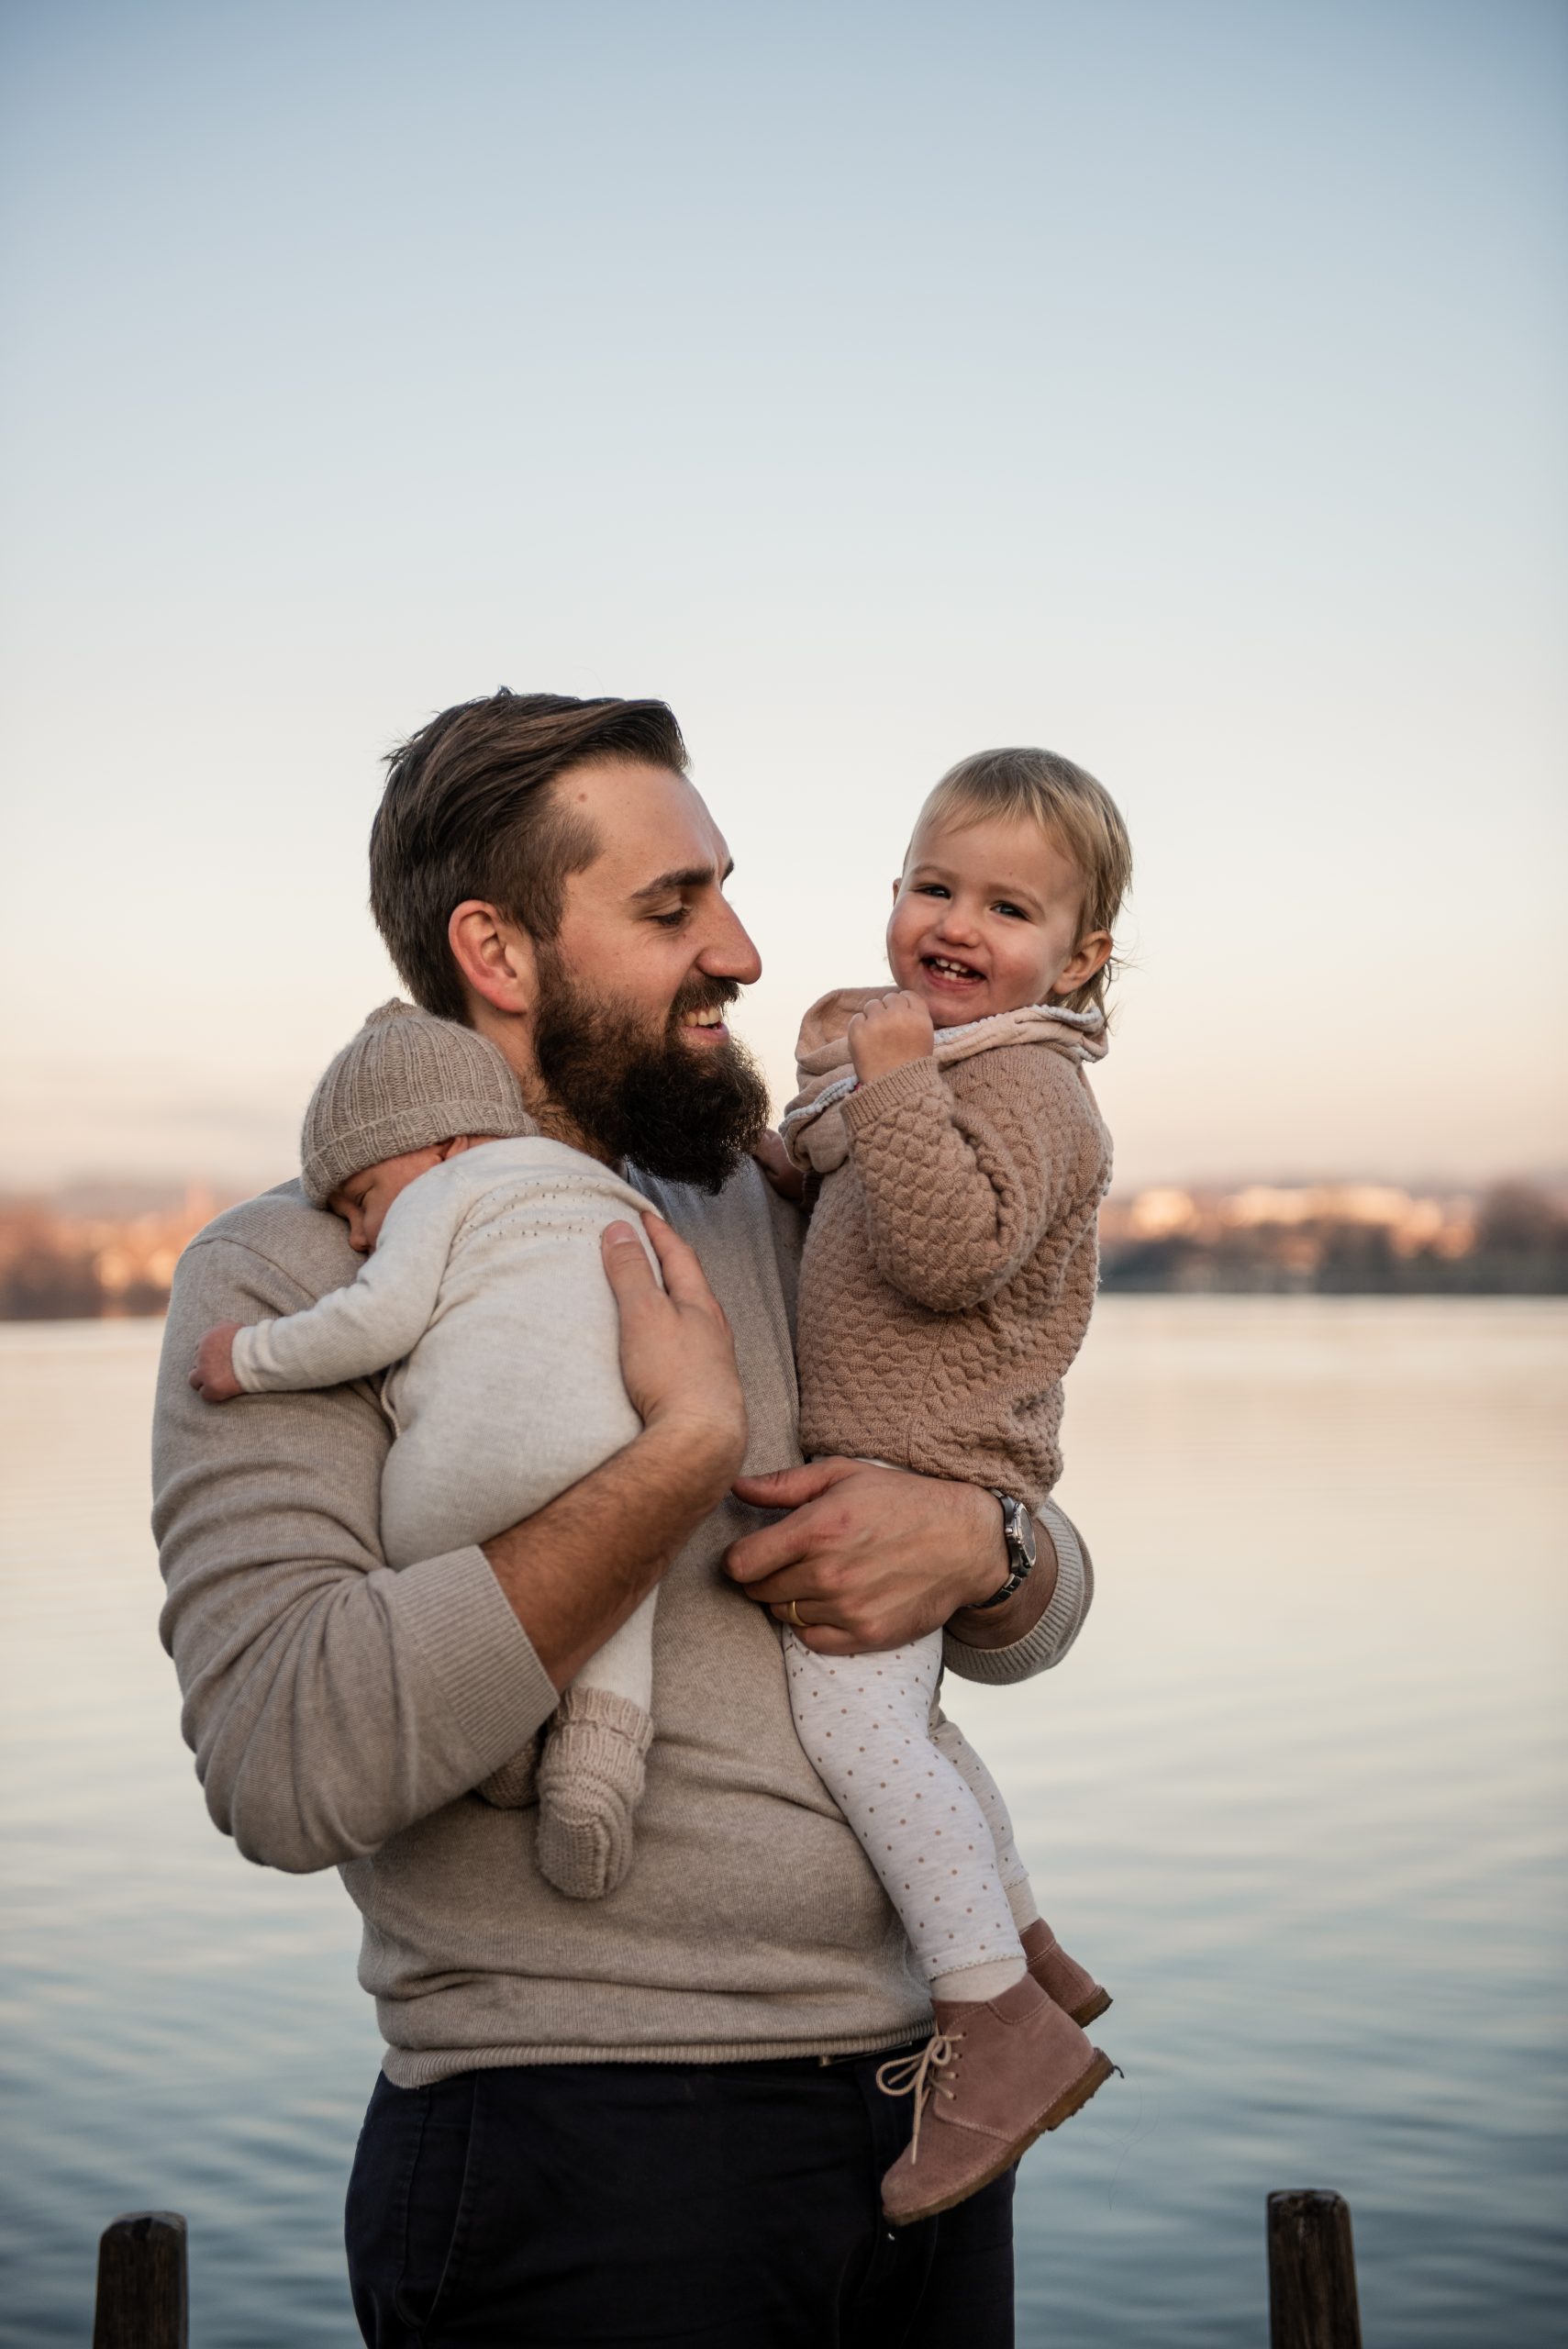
[1299, 1795]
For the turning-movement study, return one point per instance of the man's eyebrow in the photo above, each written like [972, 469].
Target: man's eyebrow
[690, 876]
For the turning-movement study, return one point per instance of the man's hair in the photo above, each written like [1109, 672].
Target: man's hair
[1078, 815]
[469, 812]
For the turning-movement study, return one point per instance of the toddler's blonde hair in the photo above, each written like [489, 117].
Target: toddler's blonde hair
[1076, 812]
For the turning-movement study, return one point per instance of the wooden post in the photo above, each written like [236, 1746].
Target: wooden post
[1312, 2273]
[141, 2283]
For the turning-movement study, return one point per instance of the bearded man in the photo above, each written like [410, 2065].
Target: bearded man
[653, 2117]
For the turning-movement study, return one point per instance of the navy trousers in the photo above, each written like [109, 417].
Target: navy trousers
[724, 2206]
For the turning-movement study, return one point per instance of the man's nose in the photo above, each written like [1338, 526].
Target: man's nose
[728, 953]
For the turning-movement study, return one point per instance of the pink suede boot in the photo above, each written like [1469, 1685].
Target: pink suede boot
[1060, 1977]
[992, 2078]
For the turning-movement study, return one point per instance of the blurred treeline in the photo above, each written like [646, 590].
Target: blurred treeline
[111, 1251]
[1511, 1240]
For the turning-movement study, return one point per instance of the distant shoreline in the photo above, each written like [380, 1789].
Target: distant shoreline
[1336, 1240]
[92, 1254]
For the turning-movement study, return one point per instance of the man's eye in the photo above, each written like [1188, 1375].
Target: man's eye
[673, 921]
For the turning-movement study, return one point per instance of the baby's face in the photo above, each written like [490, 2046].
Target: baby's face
[362, 1201]
[986, 920]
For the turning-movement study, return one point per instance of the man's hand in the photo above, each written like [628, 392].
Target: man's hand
[779, 1167]
[677, 1356]
[213, 1374]
[893, 1031]
[871, 1557]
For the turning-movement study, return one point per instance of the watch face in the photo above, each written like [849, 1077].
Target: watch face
[1018, 1527]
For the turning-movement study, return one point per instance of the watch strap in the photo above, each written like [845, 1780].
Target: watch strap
[1020, 1551]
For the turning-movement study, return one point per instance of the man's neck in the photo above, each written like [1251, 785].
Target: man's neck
[513, 1042]
[556, 1126]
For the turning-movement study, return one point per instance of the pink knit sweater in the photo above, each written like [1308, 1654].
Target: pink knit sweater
[951, 1265]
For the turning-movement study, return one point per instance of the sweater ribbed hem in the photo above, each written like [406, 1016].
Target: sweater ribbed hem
[479, 1654]
[407, 2069]
[910, 1083]
[1052, 1635]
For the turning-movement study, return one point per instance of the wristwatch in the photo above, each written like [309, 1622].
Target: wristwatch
[1018, 1531]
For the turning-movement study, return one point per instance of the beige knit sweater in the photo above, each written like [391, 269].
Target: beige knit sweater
[342, 1713]
[952, 1262]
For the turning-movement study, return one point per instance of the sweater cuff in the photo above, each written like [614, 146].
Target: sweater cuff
[245, 1358]
[477, 1652]
[1048, 1642]
[916, 1080]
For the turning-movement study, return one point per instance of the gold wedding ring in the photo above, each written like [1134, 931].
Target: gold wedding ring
[794, 1615]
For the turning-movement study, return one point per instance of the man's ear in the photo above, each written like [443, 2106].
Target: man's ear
[496, 961]
[1091, 954]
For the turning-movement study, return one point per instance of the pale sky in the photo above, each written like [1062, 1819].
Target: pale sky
[1177, 386]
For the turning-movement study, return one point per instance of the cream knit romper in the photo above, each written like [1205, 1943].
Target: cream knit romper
[486, 1304]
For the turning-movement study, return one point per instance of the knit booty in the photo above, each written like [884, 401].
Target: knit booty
[1075, 1991]
[992, 2077]
[590, 1782]
[514, 1786]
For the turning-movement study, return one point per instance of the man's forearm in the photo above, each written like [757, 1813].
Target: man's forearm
[573, 1573]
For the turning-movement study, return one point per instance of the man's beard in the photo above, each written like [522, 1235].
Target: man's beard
[687, 1113]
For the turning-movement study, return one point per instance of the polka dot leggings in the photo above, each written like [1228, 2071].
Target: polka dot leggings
[865, 1723]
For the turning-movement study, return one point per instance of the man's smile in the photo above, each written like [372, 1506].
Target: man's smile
[698, 1014]
[705, 1027]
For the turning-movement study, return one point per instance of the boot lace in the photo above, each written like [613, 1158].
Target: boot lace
[925, 2074]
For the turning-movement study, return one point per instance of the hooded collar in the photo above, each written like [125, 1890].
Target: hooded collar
[813, 1125]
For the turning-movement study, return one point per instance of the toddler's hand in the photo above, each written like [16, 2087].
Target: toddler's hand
[889, 1033]
[779, 1167]
[213, 1376]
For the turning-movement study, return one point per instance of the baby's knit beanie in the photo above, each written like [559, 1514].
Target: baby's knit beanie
[405, 1081]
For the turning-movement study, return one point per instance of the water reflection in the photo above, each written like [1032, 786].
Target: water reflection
[1298, 1794]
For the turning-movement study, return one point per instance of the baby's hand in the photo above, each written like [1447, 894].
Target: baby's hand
[779, 1167]
[213, 1376]
[889, 1033]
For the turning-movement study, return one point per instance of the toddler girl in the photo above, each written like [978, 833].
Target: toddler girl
[947, 1277]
